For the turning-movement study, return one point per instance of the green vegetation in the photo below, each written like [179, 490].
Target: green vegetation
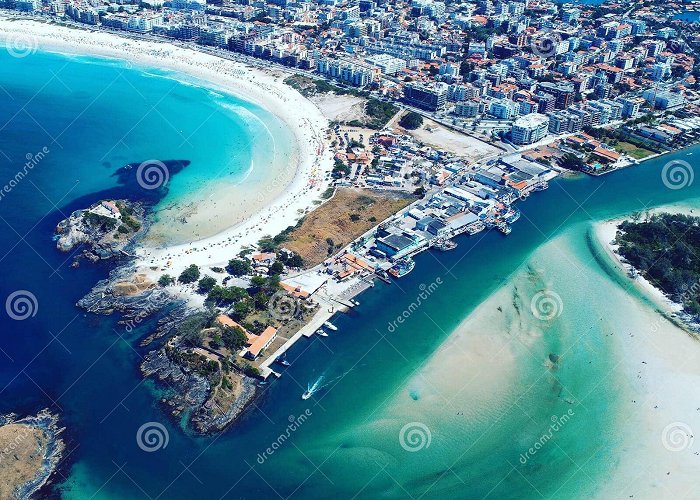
[379, 112]
[308, 87]
[633, 150]
[239, 267]
[99, 221]
[166, 280]
[340, 169]
[272, 244]
[205, 284]
[572, 162]
[189, 275]
[411, 120]
[131, 222]
[665, 249]
[233, 338]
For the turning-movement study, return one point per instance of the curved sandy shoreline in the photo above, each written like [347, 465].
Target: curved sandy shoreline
[287, 196]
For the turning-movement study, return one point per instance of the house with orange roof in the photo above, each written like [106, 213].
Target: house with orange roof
[261, 342]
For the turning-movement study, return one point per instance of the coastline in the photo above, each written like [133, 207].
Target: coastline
[43, 434]
[605, 233]
[660, 371]
[274, 207]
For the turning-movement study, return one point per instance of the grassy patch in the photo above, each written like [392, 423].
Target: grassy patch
[634, 151]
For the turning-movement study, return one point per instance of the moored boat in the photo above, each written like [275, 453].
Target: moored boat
[402, 268]
[445, 245]
[330, 325]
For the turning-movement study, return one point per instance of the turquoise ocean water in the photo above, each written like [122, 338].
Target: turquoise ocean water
[484, 393]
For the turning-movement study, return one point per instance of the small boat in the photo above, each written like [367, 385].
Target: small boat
[402, 268]
[330, 325]
[310, 389]
[512, 215]
[321, 332]
[445, 245]
[504, 228]
[283, 361]
[354, 302]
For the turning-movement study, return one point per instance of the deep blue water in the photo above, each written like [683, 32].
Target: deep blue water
[86, 367]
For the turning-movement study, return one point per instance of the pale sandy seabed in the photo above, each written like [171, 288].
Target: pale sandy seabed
[631, 377]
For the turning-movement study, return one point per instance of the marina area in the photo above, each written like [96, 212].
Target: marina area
[465, 202]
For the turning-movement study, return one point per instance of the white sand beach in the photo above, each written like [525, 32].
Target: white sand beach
[606, 232]
[270, 209]
[660, 364]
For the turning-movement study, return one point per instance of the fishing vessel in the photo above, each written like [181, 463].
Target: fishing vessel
[504, 228]
[512, 215]
[330, 325]
[445, 245]
[402, 268]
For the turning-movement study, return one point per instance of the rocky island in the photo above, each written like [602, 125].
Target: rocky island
[30, 449]
[105, 229]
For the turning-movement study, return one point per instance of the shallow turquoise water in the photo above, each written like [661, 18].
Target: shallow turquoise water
[376, 381]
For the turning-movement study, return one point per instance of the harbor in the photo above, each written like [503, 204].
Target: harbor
[473, 199]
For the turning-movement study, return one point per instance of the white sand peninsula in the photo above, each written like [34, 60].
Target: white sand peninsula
[269, 210]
